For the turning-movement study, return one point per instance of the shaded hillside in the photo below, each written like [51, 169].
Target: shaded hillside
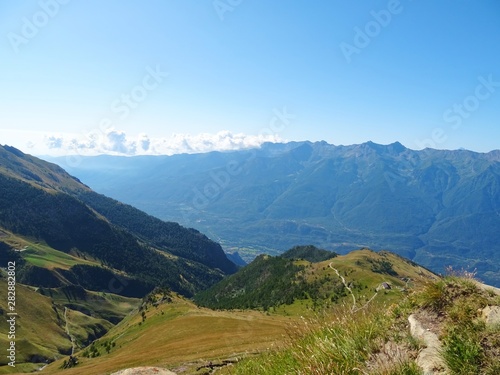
[168, 236]
[66, 223]
[180, 241]
[40, 265]
[39, 201]
[309, 253]
[436, 207]
[266, 282]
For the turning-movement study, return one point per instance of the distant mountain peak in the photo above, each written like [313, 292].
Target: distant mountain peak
[396, 147]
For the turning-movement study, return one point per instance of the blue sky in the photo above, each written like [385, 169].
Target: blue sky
[174, 76]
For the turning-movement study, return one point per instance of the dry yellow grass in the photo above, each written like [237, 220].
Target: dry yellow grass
[179, 333]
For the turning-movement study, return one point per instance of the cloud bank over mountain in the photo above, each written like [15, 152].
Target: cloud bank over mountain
[118, 142]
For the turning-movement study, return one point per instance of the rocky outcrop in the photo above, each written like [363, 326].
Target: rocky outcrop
[429, 358]
[491, 315]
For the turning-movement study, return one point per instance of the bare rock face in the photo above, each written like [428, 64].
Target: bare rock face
[491, 315]
[429, 358]
[144, 371]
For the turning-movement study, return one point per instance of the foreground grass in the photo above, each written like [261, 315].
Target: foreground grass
[377, 341]
[346, 344]
[470, 346]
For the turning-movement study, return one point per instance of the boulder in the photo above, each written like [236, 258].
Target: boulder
[429, 359]
[491, 315]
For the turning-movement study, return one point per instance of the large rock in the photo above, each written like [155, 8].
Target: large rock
[429, 358]
[144, 371]
[491, 315]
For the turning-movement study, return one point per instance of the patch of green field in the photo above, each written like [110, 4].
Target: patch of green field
[42, 255]
[46, 257]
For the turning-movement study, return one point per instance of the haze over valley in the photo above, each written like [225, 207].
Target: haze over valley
[438, 208]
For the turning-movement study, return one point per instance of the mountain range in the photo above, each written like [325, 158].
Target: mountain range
[437, 207]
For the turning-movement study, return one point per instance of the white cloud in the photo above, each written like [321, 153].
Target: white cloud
[54, 142]
[144, 142]
[117, 142]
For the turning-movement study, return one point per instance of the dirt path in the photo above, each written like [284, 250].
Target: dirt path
[346, 286]
[354, 302]
[368, 302]
[67, 331]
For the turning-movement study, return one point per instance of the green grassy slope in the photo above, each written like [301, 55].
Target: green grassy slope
[39, 328]
[171, 332]
[41, 322]
[343, 337]
[44, 313]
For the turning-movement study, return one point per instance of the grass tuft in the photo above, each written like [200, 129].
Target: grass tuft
[340, 343]
[462, 352]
